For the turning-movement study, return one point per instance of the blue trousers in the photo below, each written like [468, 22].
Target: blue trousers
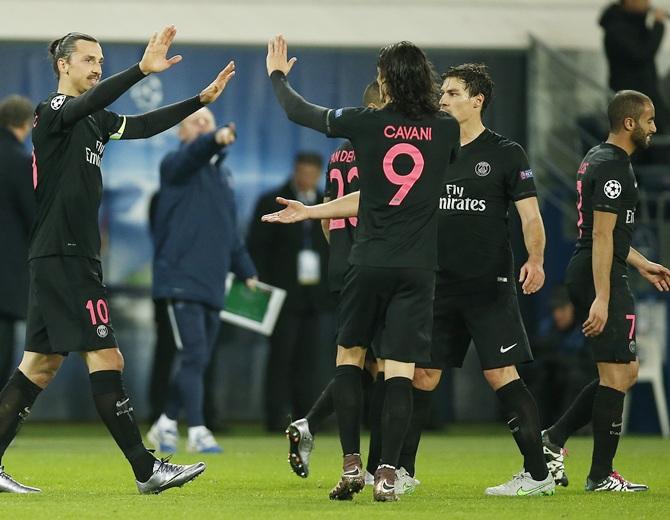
[195, 327]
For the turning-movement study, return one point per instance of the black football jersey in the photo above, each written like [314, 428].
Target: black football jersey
[67, 178]
[341, 179]
[473, 236]
[606, 182]
[401, 168]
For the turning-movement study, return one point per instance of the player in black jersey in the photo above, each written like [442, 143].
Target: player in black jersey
[597, 279]
[67, 308]
[341, 179]
[402, 152]
[475, 294]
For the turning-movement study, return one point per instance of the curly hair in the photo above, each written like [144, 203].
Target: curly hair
[409, 79]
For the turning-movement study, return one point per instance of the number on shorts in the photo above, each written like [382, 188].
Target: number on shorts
[631, 333]
[100, 308]
[404, 181]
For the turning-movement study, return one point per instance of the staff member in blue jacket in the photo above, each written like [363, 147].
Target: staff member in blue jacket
[196, 244]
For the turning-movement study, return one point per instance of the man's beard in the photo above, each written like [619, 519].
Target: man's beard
[639, 139]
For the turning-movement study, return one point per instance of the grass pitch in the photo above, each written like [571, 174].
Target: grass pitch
[83, 475]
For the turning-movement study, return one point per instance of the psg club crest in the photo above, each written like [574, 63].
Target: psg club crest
[483, 169]
[102, 331]
[612, 189]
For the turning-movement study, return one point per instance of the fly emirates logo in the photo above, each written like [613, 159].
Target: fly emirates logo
[456, 201]
[95, 156]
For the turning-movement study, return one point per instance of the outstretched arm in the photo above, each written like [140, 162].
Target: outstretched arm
[157, 121]
[109, 90]
[295, 211]
[297, 109]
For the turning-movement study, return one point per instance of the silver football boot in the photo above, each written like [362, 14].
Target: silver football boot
[300, 446]
[166, 476]
[9, 485]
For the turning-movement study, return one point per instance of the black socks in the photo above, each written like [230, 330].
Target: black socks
[322, 408]
[116, 412]
[577, 416]
[396, 416]
[347, 395]
[16, 398]
[420, 416]
[523, 420]
[607, 423]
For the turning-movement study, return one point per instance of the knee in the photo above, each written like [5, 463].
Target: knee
[41, 371]
[426, 379]
[633, 373]
[499, 377]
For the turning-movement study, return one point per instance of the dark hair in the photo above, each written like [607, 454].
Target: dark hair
[625, 104]
[409, 79]
[476, 78]
[372, 95]
[15, 111]
[313, 158]
[65, 46]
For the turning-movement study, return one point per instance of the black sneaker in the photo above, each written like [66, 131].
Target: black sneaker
[554, 455]
[166, 476]
[300, 445]
[614, 482]
[352, 480]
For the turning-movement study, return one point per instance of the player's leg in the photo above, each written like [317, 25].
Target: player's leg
[424, 383]
[361, 308]
[405, 340]
[615, 380]
[396, 416]
[580, 412]
[33, 375]
[348, 401]
[113, 405]
[377, 397]
[502, 343]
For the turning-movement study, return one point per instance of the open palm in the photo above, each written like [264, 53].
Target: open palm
[155, 55]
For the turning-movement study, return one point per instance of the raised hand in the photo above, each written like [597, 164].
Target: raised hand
[294, 211]
[212, 91]
[277, 58]
[155, 55]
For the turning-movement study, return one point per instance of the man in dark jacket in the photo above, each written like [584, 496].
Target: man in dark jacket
[295, 259]
[633, 34]
[17, 208]
[196, 244]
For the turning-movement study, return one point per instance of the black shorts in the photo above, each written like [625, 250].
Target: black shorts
[397, 301]
[67, 306]
[492, 321]
[616, 343]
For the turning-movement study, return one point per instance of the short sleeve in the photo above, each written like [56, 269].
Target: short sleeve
[609, 182]
[519, 181]
[343, 122]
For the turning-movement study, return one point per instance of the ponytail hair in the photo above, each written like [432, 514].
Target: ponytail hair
[62, 48]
